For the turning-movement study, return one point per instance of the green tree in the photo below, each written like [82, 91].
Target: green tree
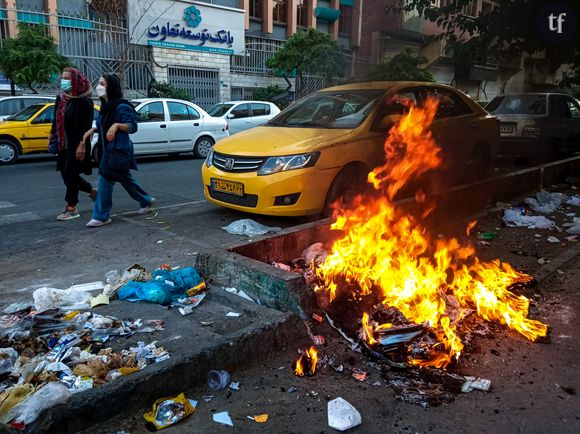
[311, 52]
[31, 58]
[504, 32]
[161, 89]
[404, 66]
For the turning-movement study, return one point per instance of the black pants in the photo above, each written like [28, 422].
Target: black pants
[74, 183]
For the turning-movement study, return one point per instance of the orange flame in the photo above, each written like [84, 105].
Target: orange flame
[388, 251]
[306, 363]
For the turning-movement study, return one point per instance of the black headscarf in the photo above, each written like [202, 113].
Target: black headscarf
[114, 99]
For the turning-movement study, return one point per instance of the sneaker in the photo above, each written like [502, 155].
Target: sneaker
[93, 195]
[68, 214]
[94, 223]
[148, 208]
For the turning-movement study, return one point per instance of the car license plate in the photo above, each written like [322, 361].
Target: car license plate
[236, 188]
[506, 129]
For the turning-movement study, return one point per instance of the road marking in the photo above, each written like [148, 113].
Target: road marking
[19, 218]
[177, 205]
[6, 205]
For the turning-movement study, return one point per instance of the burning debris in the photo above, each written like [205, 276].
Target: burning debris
[424, 287]
[306, 363]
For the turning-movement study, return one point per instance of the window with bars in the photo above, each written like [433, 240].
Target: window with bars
[279, 11]
[345, 20]
[469, 10]
[302, 15]
[255, 9]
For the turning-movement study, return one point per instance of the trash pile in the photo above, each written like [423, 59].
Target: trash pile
[546, 203]
[58, 347]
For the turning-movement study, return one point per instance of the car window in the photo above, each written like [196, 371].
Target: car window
[574, 108]
[178, 111]
[449, 104]
[25, 114]
[219, 109]
[558, 107]
[241, 111]
[399, 103]
[9, 107]
[151, 112]
[518, 104]
[46, 117]
[260, 109]
[193, 113]
[326, 109]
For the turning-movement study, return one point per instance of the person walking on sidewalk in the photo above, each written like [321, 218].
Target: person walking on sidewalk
[117, 119]
[73, 116]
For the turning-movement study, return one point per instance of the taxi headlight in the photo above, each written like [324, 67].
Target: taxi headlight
[209, 159]
[288, 162]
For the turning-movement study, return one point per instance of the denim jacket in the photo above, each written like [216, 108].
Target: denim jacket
[123, 115]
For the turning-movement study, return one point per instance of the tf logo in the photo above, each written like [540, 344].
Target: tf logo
[557, 22]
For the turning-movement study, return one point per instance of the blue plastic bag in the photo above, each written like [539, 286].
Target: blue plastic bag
[165, 287]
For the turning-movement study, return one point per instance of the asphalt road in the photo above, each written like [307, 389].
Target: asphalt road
[37, 250]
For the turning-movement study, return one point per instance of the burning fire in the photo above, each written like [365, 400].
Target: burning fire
[430, 280]
[306, 363]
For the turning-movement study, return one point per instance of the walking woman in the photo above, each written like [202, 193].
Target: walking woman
[73, 116]
[117, 119]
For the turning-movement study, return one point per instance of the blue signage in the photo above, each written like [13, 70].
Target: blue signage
[192, 17]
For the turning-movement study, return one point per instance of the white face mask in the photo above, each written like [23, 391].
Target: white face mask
[101, 90]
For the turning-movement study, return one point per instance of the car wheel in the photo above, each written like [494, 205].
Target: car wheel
[8, 152]
[478, 164]
[346, 186]
[202, 147]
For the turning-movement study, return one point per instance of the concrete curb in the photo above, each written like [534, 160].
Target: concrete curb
[558, 262]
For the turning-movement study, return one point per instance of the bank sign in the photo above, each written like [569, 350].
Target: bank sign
[186, 25]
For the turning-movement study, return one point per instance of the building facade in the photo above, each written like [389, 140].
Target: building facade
[215, 50]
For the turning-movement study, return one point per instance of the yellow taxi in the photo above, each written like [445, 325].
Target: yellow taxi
[26, 132]
[324, 145]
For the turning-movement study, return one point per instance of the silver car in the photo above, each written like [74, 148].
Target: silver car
[537, 124]
[10, 105]
[243, 115]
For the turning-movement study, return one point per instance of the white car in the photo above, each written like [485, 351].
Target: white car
[243, 115]
[10, 105]
[171, 126]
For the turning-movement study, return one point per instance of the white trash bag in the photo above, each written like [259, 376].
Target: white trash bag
[249, 227]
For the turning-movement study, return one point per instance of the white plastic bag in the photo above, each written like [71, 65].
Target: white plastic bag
[7, 358]
[513, 217]
[249, 227]
[342, 415]
[545, 202]
[28, 410]
[67, 299]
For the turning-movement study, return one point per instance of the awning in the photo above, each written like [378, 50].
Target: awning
[327, 15]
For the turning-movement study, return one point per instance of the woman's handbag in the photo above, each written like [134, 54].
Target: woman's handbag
[119, 160]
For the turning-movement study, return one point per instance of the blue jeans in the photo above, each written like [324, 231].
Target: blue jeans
[104, 201]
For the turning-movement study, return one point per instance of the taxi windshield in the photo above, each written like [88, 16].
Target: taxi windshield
[329, 109]
[26, 113]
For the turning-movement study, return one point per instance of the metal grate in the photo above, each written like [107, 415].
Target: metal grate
[248, 200]
[229, 163]
[202, 85]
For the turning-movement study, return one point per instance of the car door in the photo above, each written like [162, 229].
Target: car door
[239, 118]
[39, 128]
[260, 114]
[184, 126]
[152, 135]
[455, 127]
[560, 126]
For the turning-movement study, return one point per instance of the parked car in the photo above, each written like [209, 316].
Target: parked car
[10, 105]
[169, 126]
[324, 145]
[243, 115]
[537, 124]
[26, 132]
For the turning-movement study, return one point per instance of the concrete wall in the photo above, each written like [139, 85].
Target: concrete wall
[256, 81]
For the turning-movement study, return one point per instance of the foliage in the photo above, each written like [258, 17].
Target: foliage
[504, 33]
[312, 52]
[31, 57]
[404, 66]
[161, 89]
